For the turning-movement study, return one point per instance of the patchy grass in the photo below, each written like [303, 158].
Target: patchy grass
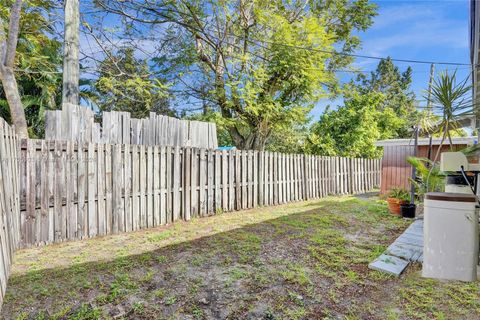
[303, 260]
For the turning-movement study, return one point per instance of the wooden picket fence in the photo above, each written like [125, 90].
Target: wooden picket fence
[75, 191]
[77, 123]
[9, 201]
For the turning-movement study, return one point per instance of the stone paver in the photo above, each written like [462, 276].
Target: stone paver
[408, 247]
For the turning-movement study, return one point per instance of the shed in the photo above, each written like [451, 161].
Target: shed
[396, 171]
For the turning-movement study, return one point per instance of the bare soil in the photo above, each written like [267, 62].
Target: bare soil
[305, 260]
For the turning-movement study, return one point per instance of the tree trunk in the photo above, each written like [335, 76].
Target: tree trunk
[17, 112]
[71, 50]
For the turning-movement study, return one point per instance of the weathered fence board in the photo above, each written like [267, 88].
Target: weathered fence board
[10, 225]
[97, 189]
[76, 123]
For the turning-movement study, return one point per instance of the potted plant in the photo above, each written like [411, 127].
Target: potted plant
[397, 197]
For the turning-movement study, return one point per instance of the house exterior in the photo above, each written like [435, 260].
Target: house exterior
[475, 55]
[396, 171]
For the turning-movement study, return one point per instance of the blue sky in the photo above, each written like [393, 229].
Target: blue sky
[415, 30]
[435, 30]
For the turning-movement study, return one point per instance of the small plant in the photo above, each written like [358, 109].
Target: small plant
[429, 177]
[399, 193]
[397, 197]
[170, 300]
[138, 307]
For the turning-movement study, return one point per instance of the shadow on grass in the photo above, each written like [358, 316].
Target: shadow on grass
[311, 262]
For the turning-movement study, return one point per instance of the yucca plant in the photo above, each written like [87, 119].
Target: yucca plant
[450, 101]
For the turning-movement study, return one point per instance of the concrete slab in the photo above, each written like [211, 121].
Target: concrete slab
[411, 240]
[408, 247]
[389, 264]
[404, 251]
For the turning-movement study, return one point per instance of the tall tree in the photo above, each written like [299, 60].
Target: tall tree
[37, 66]
[379, 105]
[399, 97]
[126, 83]
[261, 64]
[353, 128]
[8, 49]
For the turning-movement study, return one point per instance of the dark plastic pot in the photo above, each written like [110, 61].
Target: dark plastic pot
[408, 210]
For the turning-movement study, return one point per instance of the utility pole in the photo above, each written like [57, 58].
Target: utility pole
[71, 67]
[414, 171]
[430, 84]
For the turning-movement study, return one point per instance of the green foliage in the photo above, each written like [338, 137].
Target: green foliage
[288, 140]
[380, 106]
[399, 193]
[352, 129]
[399, 98]
[126, 83]
[38, 61]
[246, 59]
[429, 176]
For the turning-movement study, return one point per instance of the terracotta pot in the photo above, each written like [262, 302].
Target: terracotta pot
[394, 205]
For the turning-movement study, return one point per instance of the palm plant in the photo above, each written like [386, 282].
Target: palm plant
[429, 177]
[450, 100]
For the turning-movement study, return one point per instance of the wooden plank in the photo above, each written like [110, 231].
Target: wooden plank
[270, 179]
[156, 186]
[142, 185]
[186, 192]
[261, 177]
[59, 185]
[224, 174]
[117, 183]
[287, 180]
[30, 194]
[210, 181]
[82, 217]
[275, 178]
[176, 210]
[108, 190]
[194, 183]
[249, 178]
[44, 201]
[281, 173]
[71, 176]
[238, 180]
[163, 186]
[244, 169]
[217, 181]
[231, 180]
[169, 171]
[149, 183]
[92, 169]
[127, 180]
[136, 210]
[50, 195]
[202, 181]
[102, 218]
[255, 179]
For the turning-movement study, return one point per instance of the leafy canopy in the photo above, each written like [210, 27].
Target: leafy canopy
[376, 106]
[244, 59]
[38, 62]
[126, 83]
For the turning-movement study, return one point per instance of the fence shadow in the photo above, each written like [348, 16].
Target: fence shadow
[234, 273]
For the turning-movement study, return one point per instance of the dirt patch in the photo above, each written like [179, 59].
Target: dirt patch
[299, 261]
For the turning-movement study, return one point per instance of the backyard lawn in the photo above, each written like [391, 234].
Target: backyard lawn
[304, 260]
